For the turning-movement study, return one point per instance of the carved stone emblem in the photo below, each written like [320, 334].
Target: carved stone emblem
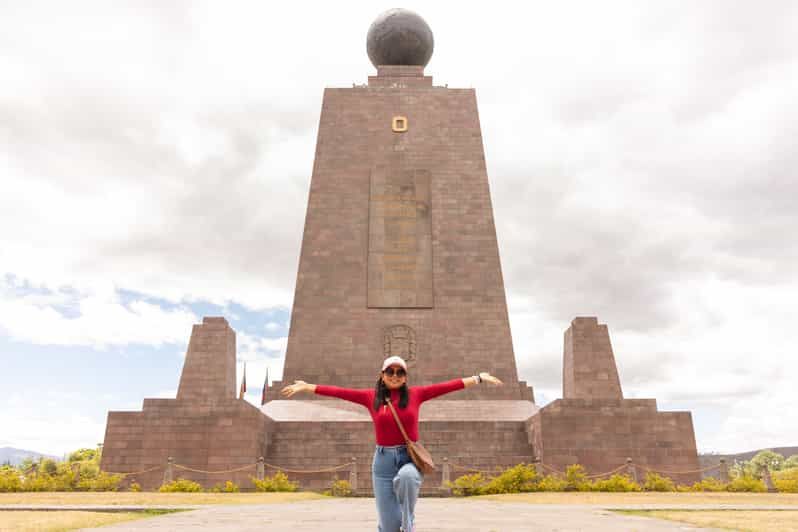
[400, 340]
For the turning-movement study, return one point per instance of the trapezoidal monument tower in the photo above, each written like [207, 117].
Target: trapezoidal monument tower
[399, 257]
[399, 253]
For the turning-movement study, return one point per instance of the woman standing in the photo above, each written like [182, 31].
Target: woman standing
[395, 478]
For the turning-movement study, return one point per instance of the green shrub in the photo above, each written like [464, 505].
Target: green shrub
[576, 478]
[552, 483]
[616, 483]
[102, 482]
[180, 485]
[135, 487]
[279, 482]
[48, 466]
[228, 487]
[38, 483]
[467, 485]
[520, 478]
[786, 480]
[709, 484]
[340, 488]
[746, 483]
[655, 482]
[9, 480]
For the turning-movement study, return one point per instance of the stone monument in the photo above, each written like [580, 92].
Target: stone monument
[399, 257]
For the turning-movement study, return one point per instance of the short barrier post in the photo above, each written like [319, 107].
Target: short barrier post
[167, 473]
[724, 471]
[631, 470]
[353, 474]
[446, 475]
[261, 469]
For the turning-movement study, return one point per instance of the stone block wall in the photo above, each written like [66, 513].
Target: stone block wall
[601, 434]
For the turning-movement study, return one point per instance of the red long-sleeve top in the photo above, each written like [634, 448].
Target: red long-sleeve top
[385, 428]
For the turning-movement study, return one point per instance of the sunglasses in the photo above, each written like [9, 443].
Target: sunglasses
[390, 372]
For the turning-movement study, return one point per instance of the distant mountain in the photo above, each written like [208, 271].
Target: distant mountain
[16, 456]
[706, 460]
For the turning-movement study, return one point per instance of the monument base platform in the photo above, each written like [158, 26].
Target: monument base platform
[601, 434]
[320, 434]
[223, 435]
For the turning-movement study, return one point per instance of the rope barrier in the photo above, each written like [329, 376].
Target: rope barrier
[305, 471]
[702, 470]
[590, 477]
[472, 469]
[552, 469]
[453, 465]
[136, 472]
[186, 468]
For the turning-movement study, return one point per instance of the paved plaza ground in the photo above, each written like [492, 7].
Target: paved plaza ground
[505, 513]
[432, 515]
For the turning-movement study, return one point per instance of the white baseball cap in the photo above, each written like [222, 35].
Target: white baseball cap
[394, 360]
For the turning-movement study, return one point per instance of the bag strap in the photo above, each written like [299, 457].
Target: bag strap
[398, 421]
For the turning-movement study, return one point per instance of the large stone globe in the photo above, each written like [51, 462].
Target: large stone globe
[399, 37]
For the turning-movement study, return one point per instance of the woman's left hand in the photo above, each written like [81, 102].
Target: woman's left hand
[487, 377]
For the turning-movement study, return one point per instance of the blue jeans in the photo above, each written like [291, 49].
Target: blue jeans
[396, 484]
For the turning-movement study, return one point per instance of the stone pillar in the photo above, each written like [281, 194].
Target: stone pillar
[768, 481]
[445, 475]
[589, 369]
[209, 371]
[723, 471]
[631, 470]
[353, 474]
[76, 471]
[167, 473]
[261, 469]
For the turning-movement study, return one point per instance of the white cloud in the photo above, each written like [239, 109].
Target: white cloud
[102, 319]
[54, 430]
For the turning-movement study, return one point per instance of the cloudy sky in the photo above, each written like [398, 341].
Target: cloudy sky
[155, 160]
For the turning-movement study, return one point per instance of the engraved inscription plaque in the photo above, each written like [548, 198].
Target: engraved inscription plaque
[400, 239]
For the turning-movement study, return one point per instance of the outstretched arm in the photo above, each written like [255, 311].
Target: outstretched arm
[435, 390]
[361, 397]
[482, 377]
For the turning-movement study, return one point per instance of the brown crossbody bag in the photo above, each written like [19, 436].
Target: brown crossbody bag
[418, 454]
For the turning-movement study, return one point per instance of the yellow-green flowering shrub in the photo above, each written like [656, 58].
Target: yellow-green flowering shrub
[180, 485]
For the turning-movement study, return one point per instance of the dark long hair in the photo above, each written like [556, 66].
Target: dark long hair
[381, 392]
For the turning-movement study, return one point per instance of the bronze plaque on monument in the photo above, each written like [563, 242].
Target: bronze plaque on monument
[400, 239]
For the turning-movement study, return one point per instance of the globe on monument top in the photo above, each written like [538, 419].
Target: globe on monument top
[399, 37]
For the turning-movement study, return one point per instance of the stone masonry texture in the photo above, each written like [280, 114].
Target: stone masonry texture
[589, 369]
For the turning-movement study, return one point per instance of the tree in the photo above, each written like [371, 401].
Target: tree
[83, 455]
[790, 462]
[48, 466]
[774, 462]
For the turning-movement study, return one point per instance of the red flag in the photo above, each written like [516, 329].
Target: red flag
[265, 387]
[243, 389]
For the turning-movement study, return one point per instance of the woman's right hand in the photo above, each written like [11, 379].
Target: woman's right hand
[298, 386]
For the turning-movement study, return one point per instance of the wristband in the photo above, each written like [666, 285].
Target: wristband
[478, 378]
